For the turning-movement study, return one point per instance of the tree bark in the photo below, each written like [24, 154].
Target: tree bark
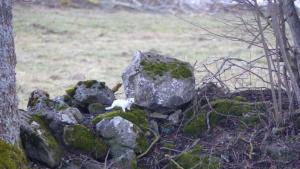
[9, 118]
[293, 21]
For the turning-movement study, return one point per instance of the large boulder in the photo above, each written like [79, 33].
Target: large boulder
[89, 92]
[39, 144]
[158, 82]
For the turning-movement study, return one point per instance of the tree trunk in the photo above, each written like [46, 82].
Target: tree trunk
[293, 21]
[9, 118]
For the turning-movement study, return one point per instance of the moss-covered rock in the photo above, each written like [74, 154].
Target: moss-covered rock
[122, 134]
[87, 92]
[39, 143]
[178, 70]
[81, 138]
[193, 159]
[96, 108]
[11, 157]
[70, 91]
[90, 83]
[136, 116]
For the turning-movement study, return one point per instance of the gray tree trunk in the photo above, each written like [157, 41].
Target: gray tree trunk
[9, 118]
[293, 21]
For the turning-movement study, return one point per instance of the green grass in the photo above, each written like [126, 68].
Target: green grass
[56, 48]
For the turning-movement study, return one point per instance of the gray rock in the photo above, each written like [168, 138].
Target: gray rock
[126, 161]
[70, 115]
[174, 118]
[157, 115]
[40, 103]
[158, 82]
[39, 144]
[55, 111]
[120, 133]
[154, 126]
[92, 91]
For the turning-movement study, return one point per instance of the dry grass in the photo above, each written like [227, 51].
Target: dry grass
[58, 47]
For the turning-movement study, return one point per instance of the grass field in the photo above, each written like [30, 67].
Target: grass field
[57, 47]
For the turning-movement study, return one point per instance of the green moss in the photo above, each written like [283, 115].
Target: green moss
[134, 164]
[231, 107]
[193, 159]
[197, 126]
[67, 98]
[136, 116]
[71, 91]
[96, 108]
[177, 69]
[11, 157]
[240, 98]
[36, 140]
[223, 108]
[81, 138]
[251, 119]
[87, 83]
[169, 145]
[142, 143]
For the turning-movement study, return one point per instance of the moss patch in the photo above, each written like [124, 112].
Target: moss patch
[197, 126]
[87, 83]
[71, 91]
[231, 107]
[136, 116]
[142, 143]
[177, 69]
[11, 157]
[222, 108]
[169, 145]
[81, 138]
[193, 159]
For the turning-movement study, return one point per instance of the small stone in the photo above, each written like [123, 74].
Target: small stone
[156, 115]
[174, 118]
[154, 126]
